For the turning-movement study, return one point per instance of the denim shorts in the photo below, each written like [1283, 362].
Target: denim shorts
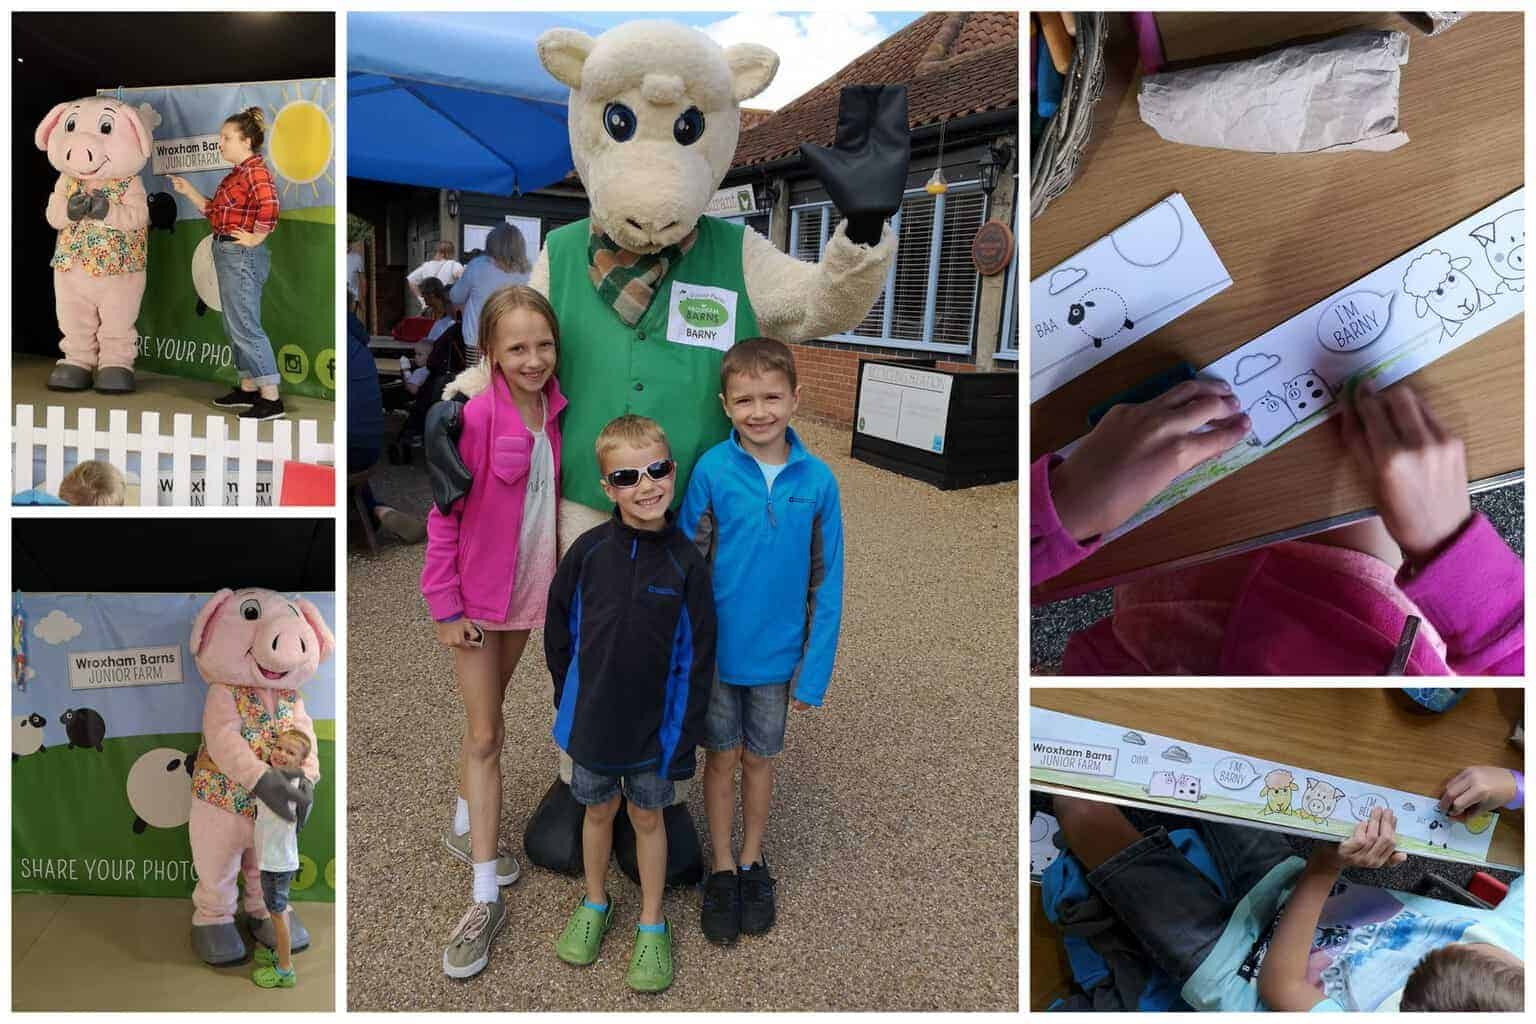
[1175, 912]
[647, 790]
[274, 889]
[751, 714]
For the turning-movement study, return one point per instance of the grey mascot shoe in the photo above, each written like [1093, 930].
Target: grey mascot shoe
[69, 377]
[218, 944]
[263, 932]
[114, 380]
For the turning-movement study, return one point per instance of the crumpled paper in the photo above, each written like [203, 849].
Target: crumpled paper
[1337, 94]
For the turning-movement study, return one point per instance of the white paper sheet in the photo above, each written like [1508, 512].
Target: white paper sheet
[1142, 766]
[1139, 277]
[1396, 320]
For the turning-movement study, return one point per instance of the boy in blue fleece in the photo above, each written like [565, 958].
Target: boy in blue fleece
[766, 514]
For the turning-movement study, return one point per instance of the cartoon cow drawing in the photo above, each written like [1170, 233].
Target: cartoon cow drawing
[1271, 417]
[1306, 393]
[1503, 242]
[1319, 799]
[1439, 833]
[1279, 785]
[1187, 787]
[27, 736]
[1100, 314]
[1440, 284]
[1179, 787]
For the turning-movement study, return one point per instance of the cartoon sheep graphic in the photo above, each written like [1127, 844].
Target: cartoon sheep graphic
[1439, 283]
[1101, 314]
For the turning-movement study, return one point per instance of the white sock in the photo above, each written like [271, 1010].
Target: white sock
[461, 817]
[485, 882]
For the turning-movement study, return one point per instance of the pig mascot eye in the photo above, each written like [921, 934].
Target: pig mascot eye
[250, 610]
[619, 121]
[688, 127]
[105, 127]
[69, 125]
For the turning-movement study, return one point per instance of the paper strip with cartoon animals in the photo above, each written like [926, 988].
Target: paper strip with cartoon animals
[1117, 761]
[1144, 274]
[1396, 320]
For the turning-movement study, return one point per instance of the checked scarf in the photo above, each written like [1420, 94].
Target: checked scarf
[627, 280]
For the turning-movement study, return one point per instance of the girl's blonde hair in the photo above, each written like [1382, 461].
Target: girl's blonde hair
[506, 248]
[251, 123]
[504, 301]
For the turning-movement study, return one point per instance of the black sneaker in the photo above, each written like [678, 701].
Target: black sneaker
[721, 916]
[757, 910]
[265, 409]
[236, 399]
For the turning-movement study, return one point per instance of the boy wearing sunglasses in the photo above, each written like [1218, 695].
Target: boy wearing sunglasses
[630, 640]
[767, 515]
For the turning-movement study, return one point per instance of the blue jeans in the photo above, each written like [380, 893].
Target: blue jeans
[754, 715]
[647, 790]
[242, 270]
[274, 889]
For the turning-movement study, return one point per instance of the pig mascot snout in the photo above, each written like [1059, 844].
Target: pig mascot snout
[101, 212]
[254, 649]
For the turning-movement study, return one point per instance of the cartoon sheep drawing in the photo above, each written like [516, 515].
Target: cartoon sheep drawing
[1100, 313]
[1439, 283]
[1503, 242]
[1279, 785]
[160, 789]
[27, 736]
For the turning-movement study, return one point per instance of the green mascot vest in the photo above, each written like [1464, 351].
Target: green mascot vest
[666, 367]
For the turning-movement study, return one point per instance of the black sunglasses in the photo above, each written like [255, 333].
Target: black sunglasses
[658, 470]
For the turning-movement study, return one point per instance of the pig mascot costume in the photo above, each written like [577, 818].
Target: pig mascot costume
[254, 649]
[654, 118]
[101, 212]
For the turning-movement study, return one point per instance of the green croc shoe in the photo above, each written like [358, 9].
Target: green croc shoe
[273, 977]
[264, 956]
[583, 935]
[650, 967]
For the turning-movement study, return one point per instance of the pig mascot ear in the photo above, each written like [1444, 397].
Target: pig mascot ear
[46, 126]
[209, 612]
[144, 121]
[563, 51]
[752, 69]
[317, 623]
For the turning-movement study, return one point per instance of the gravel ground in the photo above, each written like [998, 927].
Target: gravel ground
[894, 831]
[1052, 625]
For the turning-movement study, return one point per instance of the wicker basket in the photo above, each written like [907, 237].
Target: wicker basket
[1060, 150]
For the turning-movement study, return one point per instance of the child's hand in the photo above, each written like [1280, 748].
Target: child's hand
[1475, 790]
[249, 239]
[459, 633]
[1416, 470]
[1373, 844]
[1137, 450]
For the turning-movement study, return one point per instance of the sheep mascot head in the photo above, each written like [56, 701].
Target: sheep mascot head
[654, 119]
[255, 649]
[100, 210]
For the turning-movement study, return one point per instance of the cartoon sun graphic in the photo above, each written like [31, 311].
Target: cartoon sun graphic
[303, 140]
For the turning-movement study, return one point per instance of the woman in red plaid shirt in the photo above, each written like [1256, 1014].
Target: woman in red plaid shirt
[243, 212]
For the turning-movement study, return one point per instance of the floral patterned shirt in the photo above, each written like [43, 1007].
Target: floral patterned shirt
[99, 250]
[260, 730]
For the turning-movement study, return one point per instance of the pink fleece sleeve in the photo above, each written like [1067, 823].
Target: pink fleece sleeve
[229, 750]
[306, 725]
[440, 577]
[1474, 593]
[1052, 550]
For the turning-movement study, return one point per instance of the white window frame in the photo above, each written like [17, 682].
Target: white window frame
[936, 241]
[1010, 295]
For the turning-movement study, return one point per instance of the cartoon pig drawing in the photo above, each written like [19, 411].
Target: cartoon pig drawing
[1306, 393]
[1162, 784]
[1271, 417]
[1503, 242]
[1319, 799]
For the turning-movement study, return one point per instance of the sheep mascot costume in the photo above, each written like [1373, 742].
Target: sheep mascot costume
[654, 118]
[101, 212]
[254, 649]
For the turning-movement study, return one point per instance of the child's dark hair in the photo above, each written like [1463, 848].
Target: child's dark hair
[1462, 977]
[757, 356]
[250, 122]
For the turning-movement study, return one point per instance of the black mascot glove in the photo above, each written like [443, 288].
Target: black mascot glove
[78, 205]
[279, 794]
[445, 469]
[98, 210]
[306, 800]
[162, 211]
[865, 171]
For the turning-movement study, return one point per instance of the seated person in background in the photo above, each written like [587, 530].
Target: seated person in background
[94, 483]
[445, 358]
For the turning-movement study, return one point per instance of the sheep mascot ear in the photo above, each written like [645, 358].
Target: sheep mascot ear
[563, 51]
[752, 69]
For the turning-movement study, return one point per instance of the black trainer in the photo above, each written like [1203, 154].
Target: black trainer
[757, 909]
[720, 919]
[265, 409]
[236, 399]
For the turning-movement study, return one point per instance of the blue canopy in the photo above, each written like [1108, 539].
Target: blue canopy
[455, 101]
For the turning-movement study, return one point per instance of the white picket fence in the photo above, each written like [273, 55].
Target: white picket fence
[251, 454]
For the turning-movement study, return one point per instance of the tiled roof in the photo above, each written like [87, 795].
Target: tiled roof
[751, 117]
[953, 64]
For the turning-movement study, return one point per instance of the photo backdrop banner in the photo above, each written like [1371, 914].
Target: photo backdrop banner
[106, 707]
[178, 334]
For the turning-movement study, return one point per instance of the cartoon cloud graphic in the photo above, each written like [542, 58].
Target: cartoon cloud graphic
[1256, 365]
[1065, 278]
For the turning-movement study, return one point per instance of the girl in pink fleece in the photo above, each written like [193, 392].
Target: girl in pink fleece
[1335, 604]
[488, 567]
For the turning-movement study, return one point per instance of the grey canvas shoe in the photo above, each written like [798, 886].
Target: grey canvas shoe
[507, 870]
[469, 950]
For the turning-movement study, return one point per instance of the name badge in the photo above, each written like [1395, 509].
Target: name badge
[701, 315]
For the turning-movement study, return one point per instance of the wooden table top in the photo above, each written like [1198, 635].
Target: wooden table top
[1292, 230]
[1365, 733]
